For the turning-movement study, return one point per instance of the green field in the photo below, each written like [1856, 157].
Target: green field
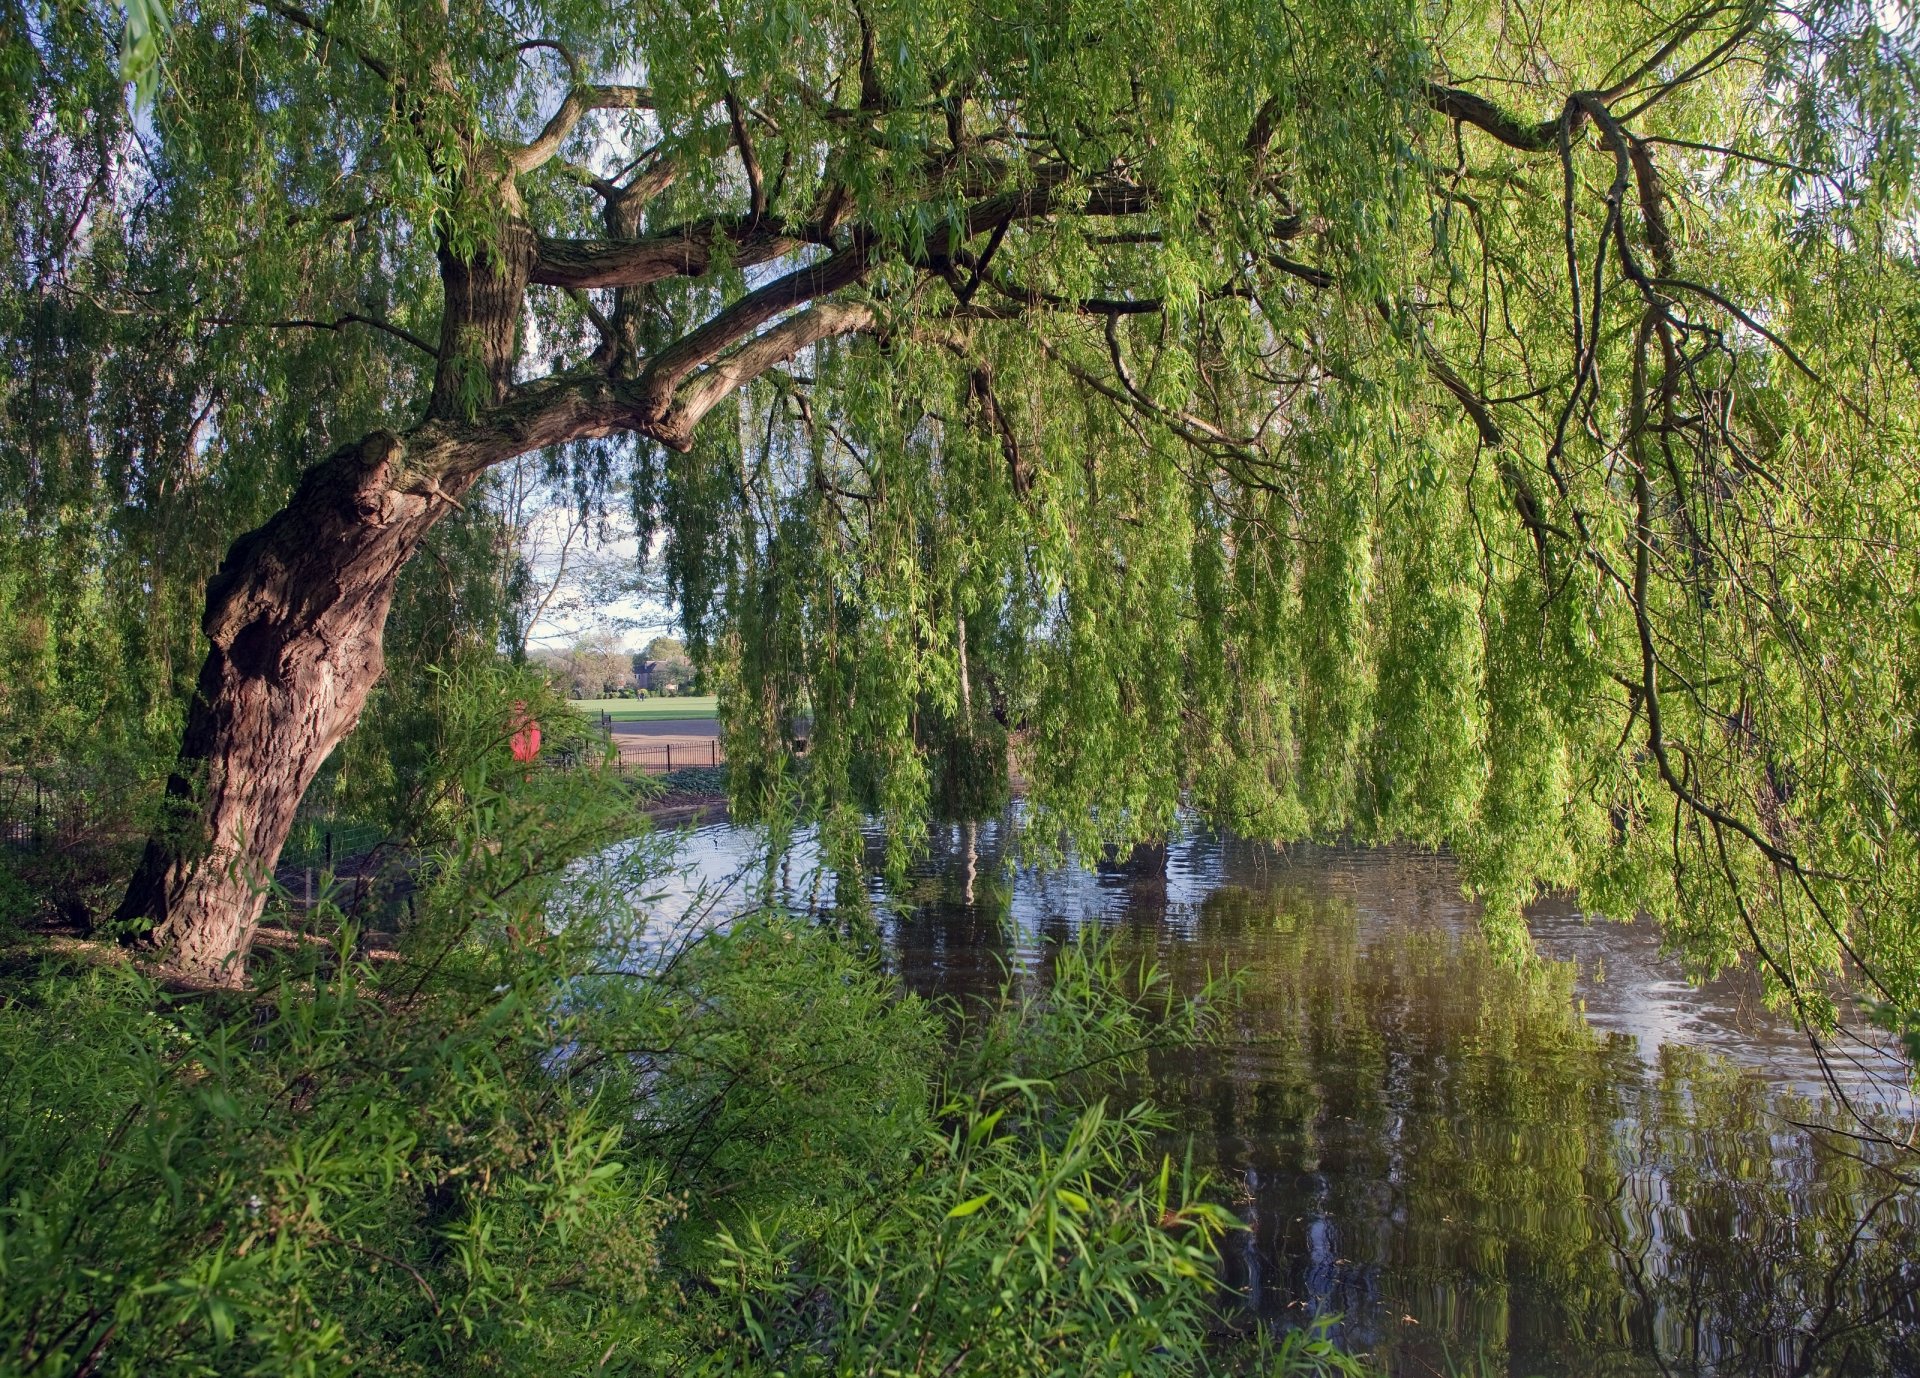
[699, 706]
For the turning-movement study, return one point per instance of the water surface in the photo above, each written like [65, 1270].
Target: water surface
[1581, 1166]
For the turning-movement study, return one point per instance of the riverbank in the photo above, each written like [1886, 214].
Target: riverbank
[350, 1166]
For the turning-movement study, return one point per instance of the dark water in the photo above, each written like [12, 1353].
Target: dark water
[1580, 1166]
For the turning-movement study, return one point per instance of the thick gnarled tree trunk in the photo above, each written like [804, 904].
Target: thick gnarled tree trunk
[294, 619]
[296, 613]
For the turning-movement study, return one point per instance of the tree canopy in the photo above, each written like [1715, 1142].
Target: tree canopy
[1463, 424]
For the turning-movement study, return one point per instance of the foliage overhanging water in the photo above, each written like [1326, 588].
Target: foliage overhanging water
[1583, 1166]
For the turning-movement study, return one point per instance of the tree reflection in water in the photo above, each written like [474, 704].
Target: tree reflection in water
[1437, 1146]
[1477, 1165]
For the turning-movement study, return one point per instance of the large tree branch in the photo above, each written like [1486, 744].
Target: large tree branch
[686, 252]
[745, 316]
[1509, 129]
[554, 411]
[579, 101]
[776, 346]
[1544, 135]
[444, 452]
[1049, 196]
[692, 250]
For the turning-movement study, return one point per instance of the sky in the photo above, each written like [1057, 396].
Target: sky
[596, 592]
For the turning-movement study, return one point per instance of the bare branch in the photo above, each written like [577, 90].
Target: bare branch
[1698, 289]
[690, 250]
[1031, 297]
[871, 96]
[1306, 272]
[1683, 30]
[1484, 115]
[685, 252]
[1474, 405]
[339, 323]
[594, 314]
[980, 386]
[307, 20]
[1471, 108]
[756, 183]
[559, 409]
[566, 54]
[1652, 195]
[745, 316]
[1761, 158]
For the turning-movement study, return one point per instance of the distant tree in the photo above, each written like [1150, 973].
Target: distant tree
[594, 666]
[665, 648]
[672, 670]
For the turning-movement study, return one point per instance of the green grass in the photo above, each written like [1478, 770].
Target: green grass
[649, 710]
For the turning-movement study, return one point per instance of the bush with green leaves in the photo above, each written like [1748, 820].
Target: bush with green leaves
[530, 1144]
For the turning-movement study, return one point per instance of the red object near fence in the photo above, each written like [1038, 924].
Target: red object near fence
[525, 742]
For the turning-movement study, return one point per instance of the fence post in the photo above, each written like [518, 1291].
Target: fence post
[713, 753]
[329, 851]
[669, 758]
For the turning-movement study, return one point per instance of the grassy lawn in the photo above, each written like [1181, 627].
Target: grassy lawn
[649, 710]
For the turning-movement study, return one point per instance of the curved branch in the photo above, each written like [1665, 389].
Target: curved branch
[1484, 115]
[306, 19]
[1306, 272]
[1700, 290]
[745, 316]
[579, 101]
[749, 160]
[589, 406]
[566, 54]
[686, 252]
[1033, 297]
[1540, 137]
[690, 250]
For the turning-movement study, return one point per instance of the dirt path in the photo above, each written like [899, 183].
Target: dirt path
[693, 729]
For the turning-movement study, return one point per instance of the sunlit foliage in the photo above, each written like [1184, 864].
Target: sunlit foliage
[1462, 424]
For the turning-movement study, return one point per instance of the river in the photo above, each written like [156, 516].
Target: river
[1579, 1165]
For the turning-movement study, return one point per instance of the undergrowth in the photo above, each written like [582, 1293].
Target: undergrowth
[534, 1145]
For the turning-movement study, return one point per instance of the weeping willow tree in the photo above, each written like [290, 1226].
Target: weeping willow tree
[1457, 424]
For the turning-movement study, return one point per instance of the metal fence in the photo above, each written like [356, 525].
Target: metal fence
[663, 758]
[62, 805]
[319, 838]
[23, 810]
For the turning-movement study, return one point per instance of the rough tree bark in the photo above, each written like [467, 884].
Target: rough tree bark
[295, 619]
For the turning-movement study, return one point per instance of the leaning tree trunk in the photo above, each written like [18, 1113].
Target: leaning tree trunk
[295, 618]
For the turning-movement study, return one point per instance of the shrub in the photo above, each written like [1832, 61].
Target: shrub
[535, 1143]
